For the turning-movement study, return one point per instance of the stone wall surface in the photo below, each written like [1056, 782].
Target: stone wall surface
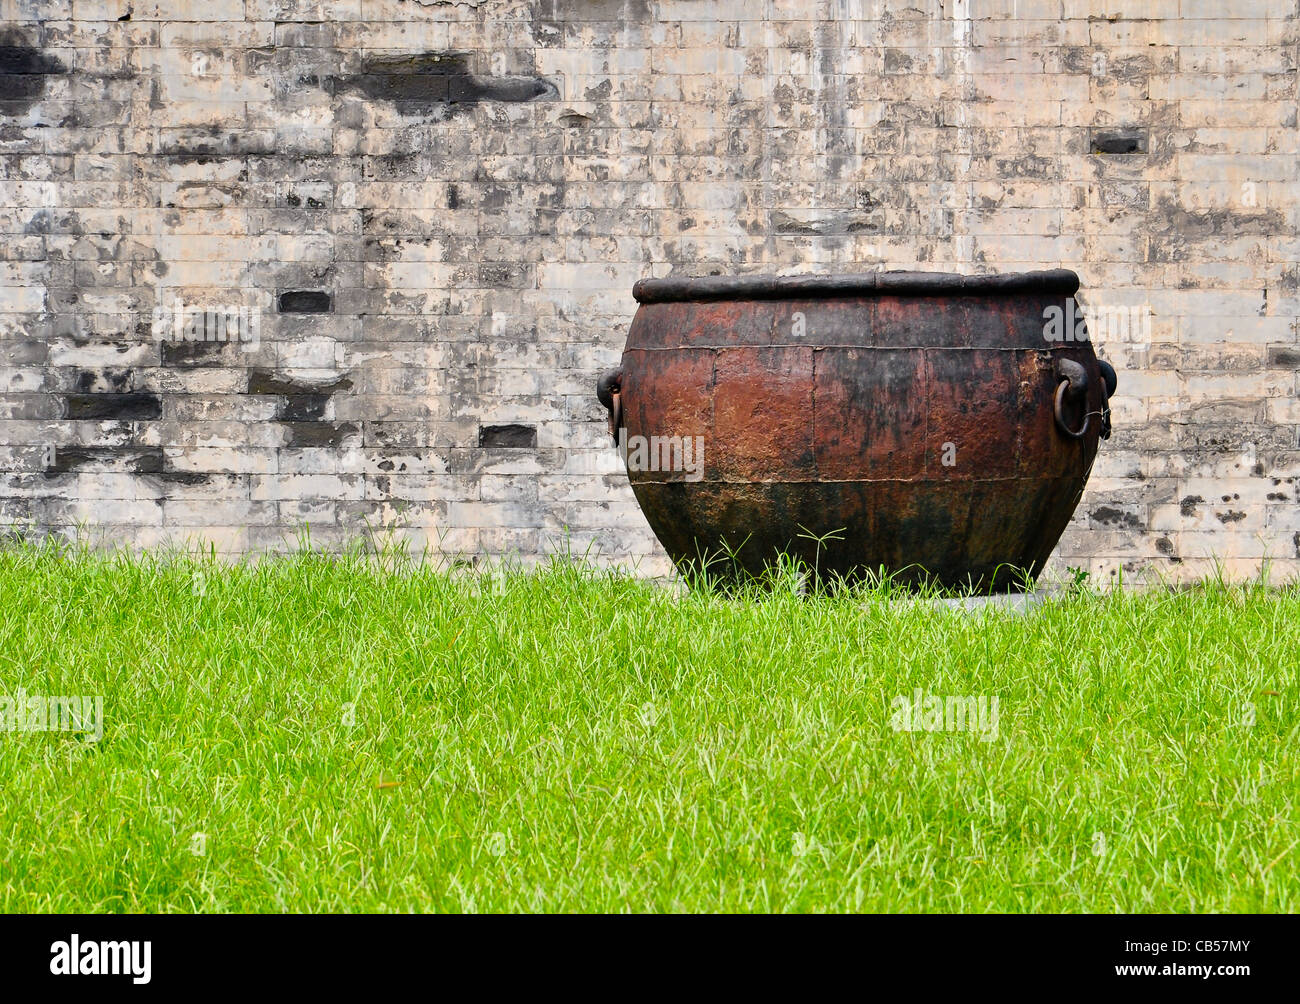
[410, 231]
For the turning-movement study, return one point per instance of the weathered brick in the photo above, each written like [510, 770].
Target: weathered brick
[466, 252]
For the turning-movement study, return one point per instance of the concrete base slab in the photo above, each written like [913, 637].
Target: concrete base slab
[1016, 604]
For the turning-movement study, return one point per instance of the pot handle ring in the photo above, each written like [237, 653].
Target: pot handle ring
[1109, 381]
[1073, 380]
[609, 392]
[1074, 384]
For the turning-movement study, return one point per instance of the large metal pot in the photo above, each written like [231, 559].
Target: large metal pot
[940, 427]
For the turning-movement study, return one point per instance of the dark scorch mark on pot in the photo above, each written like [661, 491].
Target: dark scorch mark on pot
[305, 301]
[23, 73]
[517, 437]
[419, 83]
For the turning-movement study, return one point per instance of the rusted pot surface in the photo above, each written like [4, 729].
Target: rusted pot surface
[939, 427]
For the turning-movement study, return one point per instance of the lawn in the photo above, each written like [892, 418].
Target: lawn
[365, 733]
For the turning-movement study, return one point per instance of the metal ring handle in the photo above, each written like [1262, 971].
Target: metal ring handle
[1073, 380]
[1060, 418]
[609, 392]
[1109, 381]
[616, 416]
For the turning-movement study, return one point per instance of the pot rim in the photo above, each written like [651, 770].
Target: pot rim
[868, 284]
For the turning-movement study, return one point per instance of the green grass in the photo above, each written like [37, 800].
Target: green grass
[353, 737]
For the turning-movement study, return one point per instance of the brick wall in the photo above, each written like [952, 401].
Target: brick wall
[411, 230]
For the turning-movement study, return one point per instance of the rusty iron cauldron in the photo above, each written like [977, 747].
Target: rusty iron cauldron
[935, 426]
